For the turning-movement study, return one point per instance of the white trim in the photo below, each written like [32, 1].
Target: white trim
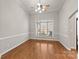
[12, 48]
[65, 46]
[15, 45]
[13, 36]
[50, 39]
[53, 39]
[65, 36]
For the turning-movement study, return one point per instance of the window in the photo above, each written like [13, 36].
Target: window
[44, 29]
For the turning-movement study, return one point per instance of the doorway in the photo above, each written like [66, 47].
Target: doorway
[77, 34]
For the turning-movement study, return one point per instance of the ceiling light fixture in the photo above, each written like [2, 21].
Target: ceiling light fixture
[41, 8]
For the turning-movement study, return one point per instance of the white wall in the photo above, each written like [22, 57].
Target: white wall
[68, 8]
[13, 25]
[53, 17]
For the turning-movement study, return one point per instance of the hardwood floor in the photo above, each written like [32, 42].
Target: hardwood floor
[39, 49]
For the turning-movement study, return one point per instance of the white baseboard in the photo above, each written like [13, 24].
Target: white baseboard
[65, 46]
[52, 39]
[12, 48]
[15, 45]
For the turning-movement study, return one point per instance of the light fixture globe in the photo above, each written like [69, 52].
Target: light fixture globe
[41, 8]
[36, 10]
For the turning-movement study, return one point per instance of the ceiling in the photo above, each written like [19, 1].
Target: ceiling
[29, 5]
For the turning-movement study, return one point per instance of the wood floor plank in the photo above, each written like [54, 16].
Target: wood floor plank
[40, 49]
